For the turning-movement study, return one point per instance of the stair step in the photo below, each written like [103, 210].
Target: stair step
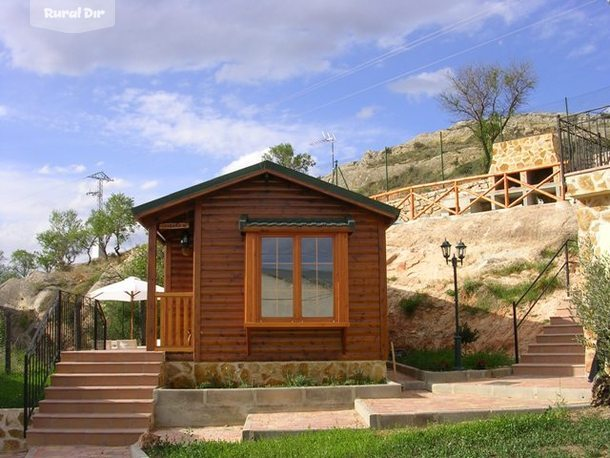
[100, 392]
[112, 356]
[562, 329]
[549, 370]
[102, 379]
[48, 406]
[559, 338]
[91, 421]
[553, 358]
[559, 320]
[556, 348]
[102, 367]
[62, 436]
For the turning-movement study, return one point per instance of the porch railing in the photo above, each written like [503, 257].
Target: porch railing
[175, 322]
[71, 323]
[478, 193]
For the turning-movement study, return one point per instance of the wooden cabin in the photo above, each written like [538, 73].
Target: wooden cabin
[268, 264]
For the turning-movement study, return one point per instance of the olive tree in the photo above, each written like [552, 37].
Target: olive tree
[283, 154]
[488, 96]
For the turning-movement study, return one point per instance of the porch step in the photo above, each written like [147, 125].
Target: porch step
[82, 367]
[553, 358]
[548, 370]
[91, 421]
[559, 320]
[48, 406]
[60, 436]
[102, 379]
[556, 348]
[571, 328]
[97, 398]
[112, 356]
[99, 392]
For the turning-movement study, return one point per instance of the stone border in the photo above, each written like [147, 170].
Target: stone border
[430, 377]
[218, 407]
[11, 431]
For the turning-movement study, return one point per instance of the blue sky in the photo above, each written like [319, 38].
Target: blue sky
[178, 92]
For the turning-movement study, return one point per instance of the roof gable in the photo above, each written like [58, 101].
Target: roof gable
[223, 181]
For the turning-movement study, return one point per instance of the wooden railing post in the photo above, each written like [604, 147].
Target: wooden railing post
[457, 197]
[412, 205]
[506, 197]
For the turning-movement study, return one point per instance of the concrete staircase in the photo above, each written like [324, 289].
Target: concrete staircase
[557, 351]
[97, 398]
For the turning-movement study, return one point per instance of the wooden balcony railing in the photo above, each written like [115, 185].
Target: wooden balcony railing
[175, 320]
[478, 193]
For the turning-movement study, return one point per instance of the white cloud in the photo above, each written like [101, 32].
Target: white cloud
[243, 42]
[582, 51]
[169, 120]
[3, 111]
[244, 161]
[150, 184]
[367, 112]
[61, 170]
[427, 84]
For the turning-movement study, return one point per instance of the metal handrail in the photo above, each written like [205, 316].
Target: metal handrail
[565, 265]
[71, 323]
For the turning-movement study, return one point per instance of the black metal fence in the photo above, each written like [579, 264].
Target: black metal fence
[6, 338]
[585, 139]
[71, 323]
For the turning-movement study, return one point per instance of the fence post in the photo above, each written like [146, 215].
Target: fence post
[7, 343]
[78, 305]
[515, 333]
[567, 254]
[94, 302]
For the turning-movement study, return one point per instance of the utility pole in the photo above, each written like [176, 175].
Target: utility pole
[387, 180]
[442, 160]
[101, 177]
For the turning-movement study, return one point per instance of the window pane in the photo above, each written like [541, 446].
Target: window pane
[317, 298]
[276, 277]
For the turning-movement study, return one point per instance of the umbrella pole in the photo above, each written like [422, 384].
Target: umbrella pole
[131, 321]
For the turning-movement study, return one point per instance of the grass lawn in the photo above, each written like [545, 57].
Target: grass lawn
[556, 433]
[11, 390]
[442, 359]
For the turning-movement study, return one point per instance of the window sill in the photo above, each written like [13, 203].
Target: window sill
[296, 324]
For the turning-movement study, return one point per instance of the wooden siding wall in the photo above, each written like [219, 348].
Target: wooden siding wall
[178, 267]
[222, 333]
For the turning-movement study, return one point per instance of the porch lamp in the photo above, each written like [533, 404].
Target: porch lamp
[185, 243]
[460, 249]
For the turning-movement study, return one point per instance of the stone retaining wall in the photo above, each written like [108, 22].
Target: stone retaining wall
[11, 431]
[216, 407]
[188, 374]
[521, 153]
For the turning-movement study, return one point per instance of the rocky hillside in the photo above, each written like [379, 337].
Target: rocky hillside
[418, 160]
[506, 250]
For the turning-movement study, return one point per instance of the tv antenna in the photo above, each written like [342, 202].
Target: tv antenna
[328, 137]
[101, 177]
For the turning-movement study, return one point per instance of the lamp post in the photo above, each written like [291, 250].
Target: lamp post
[460, 248]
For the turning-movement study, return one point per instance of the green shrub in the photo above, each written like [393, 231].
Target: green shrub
[468, 334]
[442, 359]
[298, 380]
[471, 286]
[409, 305]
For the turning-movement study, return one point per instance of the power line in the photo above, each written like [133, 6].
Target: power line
[451, 56]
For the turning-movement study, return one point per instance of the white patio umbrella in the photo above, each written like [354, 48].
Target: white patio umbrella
[129, 290]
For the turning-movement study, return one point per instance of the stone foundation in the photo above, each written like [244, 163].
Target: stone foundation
[189, 374]
[11, 431]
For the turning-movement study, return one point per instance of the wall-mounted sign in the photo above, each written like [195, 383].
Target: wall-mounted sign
[170, 226]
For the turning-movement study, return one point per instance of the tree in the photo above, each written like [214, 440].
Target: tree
[488, 96]
[23, 262]
[283, 154]
[63, 241]
[121, 219]
[101, 228]
[5, 271]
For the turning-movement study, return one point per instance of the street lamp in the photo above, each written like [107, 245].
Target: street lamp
[460, 249]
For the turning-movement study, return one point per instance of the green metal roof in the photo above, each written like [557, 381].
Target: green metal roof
[245, 222]
[274, 169]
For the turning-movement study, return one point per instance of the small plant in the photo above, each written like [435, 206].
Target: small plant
[468, 334]
[409, 305]
[393, 278]
[471, 286]
[450, 293]
[298, 380]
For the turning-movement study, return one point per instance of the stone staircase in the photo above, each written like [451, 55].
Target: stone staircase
[97, 398]
[557, 351]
